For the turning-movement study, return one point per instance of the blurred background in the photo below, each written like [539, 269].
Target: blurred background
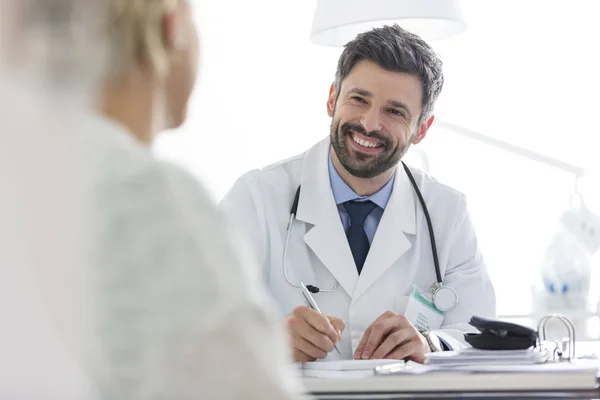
[523, 72]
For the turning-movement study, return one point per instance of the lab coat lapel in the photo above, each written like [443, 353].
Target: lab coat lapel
[390, 241]
[316, 206]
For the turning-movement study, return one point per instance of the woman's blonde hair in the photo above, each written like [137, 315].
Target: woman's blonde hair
[81, 43]
[136, 35]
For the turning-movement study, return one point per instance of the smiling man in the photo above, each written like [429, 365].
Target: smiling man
[389, 254]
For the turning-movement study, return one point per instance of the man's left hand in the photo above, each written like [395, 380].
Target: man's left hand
[392, 336]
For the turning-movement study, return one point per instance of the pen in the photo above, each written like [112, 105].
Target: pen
[311, 303]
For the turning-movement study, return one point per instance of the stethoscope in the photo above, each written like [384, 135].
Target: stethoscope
[444, 298]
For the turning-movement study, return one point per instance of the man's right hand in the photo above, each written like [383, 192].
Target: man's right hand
[313, 335]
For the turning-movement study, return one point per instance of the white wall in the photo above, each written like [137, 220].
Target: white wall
[525, 72]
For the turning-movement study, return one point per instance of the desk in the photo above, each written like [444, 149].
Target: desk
[458, 386]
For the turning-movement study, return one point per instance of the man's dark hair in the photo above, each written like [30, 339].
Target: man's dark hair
[395, 49]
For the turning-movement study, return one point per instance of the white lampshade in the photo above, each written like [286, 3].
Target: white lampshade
[337, 22]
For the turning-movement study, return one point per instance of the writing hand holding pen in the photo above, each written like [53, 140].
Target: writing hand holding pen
[313, 334]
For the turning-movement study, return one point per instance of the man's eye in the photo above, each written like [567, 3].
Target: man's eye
[397, 112]
[358, 99]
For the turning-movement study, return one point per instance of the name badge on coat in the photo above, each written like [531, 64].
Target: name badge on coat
[422, 313]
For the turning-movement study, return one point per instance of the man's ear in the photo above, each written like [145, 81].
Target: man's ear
[169, 29]
[422, 131]
[331, 100]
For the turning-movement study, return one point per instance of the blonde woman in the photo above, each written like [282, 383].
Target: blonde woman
[175, 307]
[181, 314]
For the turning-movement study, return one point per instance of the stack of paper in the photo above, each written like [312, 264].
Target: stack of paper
[471, 356]
[437, 381]
[343, 368]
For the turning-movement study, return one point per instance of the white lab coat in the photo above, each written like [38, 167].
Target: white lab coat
[400, 254]
[174, 313]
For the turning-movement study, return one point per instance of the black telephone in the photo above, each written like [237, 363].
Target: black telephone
[500, 335]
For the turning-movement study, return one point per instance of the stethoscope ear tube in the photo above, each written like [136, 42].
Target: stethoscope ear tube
[436, 262]
[294, 209]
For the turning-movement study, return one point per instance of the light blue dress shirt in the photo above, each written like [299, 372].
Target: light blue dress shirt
[343, 193]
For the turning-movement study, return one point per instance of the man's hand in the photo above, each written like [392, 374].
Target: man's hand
[313, 335]
[392, 336]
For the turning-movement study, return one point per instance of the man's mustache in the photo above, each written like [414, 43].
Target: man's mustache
[348, 128]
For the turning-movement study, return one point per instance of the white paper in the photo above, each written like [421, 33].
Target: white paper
[343, 369]
[347, 365]
[477, 357]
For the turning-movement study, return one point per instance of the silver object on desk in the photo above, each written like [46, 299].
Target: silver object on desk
[560, 345]
[311, 303]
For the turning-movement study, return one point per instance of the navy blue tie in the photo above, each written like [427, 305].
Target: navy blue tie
[357, 238]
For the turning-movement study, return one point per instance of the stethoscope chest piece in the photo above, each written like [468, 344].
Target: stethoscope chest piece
[444, 297]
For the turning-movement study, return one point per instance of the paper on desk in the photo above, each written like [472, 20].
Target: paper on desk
[562, 369]
[557, 378]
[472, 356]
[344, 369]
[404, 368]
[347, 365]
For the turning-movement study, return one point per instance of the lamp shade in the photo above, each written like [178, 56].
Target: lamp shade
[336, 22]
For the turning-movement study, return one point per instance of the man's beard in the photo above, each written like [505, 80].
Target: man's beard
[364, 165]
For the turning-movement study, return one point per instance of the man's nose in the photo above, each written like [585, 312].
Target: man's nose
[371, 120]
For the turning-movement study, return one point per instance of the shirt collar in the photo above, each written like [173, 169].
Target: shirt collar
[343, 193]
